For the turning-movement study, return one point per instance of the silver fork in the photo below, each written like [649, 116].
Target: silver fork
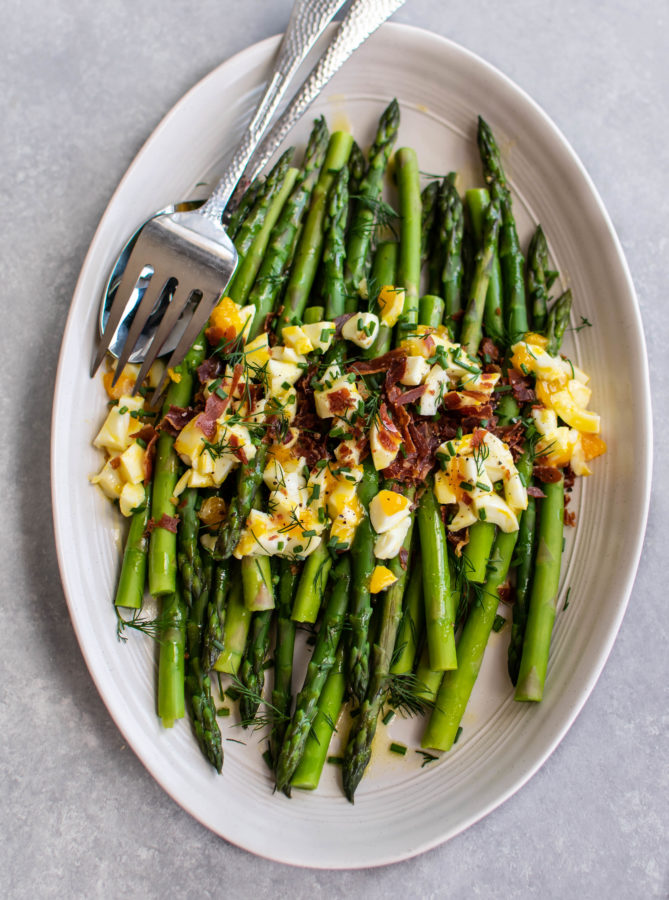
[192, 247]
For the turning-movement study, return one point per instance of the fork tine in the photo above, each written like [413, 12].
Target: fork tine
[176, 306]
[154, 290]
[197, 322]
[124, 291]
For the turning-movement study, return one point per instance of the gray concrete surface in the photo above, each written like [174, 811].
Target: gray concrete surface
[81, 817]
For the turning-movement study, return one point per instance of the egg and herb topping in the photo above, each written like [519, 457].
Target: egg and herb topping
[563, 394]
[477, 472]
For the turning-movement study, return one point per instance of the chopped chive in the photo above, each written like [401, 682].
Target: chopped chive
[466, 486]
[398, 748]
[498, 623]
[388, 716]
[336, 760]
[223, 711]
[267, 756]
[457, 734]
[482, 487]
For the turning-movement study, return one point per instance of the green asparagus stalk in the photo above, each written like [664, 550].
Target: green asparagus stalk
[477, 201]
[248, 482]
[362, 565]
[257, 583]
[321, 663]
[269, 281]
[427, 679]
[524, 565]
[431, 310]
[448, 241]
[368, 195]
[457, 685]
[544, 596]
[408, 277]
[558, 320]
[384, 271]
[250, 227]
[130, 589]
[235, 630]
[163, 543]
[246, 272]
[245, 206]
[171, 703]
[477, 551]
[195, 587]
[510, 255]
[412, 622]
[212, 642]
[537, 293]
[334, 246]
[440, 606]
[428, 200]
[357, 164]
[308, 252]
[283, 656]
[308, 773]
[252, 671]
[359, 745]
[470, 336]
[312, 584]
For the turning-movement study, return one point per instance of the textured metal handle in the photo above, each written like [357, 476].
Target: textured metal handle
[361, 21]
[308, 20]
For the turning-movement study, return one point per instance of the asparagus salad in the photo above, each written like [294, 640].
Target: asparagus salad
[343, 455]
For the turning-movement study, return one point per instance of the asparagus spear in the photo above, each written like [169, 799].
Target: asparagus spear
[250, 227]
[171, 705]
[245, 206]
[477, 201]
[321, 663]
[235, 629]
[428, 200]
[412, 621]
[408, 183]
[308, 773]
[440, 602]
[510, 255]
[359, 745]
[524, 565]
[130, 589]
[431, 310]
[558, 320]
[247, 270]
[457, 685]
[252, 671]
[195, 587]
[470, 336]
[537, 293]
[248, 482]
[283, 656]
[543, 599]
[312, 584]
[384, 269]
[212, 642]
[356, 168]
[448, 249]
[308, 252]
[283, 240]
[369, 192]
[334, 247]
[362, 565]
[163, 543]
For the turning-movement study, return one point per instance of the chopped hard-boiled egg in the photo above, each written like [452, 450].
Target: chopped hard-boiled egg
[387, 509]
[470, 468]
[132, 497]
[381, 579]
[384, 442]
[228, 320]
[256, 353]
[115, 434]
[415, 372]
[320, 334]
[389, 544]
[361, 329]
[391, 304]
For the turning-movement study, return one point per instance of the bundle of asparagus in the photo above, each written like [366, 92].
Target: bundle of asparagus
[400, 466]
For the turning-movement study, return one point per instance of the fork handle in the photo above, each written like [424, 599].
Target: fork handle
[307, 22]
[361, 21]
